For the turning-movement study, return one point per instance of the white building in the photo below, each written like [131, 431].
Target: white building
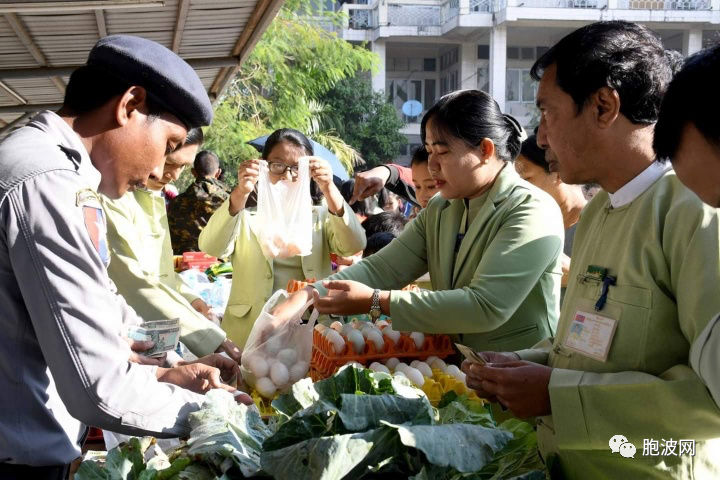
[430, 47]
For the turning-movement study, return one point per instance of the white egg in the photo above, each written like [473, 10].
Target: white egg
[414, 363]
[338, 342]
[356, 338]
[366, 330]
[431, 359]
[439, 364]
[257, 364]
[379, 367]
[320, 328]
[393, 335]
[288, 357]
[400, 367]
[381, 324]
[266, 387]
[279, 374]
[392, 363]
[399, 374]
[418, 338]
[355, 364]
[273, 345]
[452, 370]
[299, 371]
[377, 338]
[414, 375]
[357, 325]
[327, 332]
[346, 329]
[424, 369]
[462, 377]
[336, 325]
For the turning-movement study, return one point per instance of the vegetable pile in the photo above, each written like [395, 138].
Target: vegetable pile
[356, 424]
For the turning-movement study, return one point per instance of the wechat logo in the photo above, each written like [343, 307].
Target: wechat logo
[619, 444]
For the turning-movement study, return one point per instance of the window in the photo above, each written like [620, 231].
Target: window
[430, 94]
[415, 64]
[528, 53]
[429, 64]
[513, 53]
[519, 86]
[483, 52]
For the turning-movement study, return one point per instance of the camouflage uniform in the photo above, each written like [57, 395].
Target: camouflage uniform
[190, 211]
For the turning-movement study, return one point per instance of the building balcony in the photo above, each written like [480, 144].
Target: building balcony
[438, 17]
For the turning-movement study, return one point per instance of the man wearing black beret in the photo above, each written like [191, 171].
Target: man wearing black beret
[64, 363]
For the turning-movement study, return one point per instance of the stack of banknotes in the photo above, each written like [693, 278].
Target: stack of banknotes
[165, 335]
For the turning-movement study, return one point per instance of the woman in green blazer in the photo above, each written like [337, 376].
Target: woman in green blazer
[232, 232]
[490, 241]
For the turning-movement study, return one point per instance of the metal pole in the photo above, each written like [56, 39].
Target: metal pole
[7, 128]
[42, 72]
[32, 108]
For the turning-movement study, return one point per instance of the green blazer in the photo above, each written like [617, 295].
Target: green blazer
[503, 290]
[236, 238]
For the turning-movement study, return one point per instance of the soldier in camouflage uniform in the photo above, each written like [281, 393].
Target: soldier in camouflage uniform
[189, 212]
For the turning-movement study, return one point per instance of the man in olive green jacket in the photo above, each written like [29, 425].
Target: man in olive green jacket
[614, 390]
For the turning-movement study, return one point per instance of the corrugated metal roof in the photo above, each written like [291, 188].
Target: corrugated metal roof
[221, 31]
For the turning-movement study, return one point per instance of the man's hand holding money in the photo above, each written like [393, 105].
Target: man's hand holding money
[138, 347]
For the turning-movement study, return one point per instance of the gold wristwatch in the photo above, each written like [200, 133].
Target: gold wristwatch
[375, 310]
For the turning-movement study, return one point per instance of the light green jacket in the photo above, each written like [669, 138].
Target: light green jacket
[142, 268]
[236, 238]
[504, 289]
[664, 250]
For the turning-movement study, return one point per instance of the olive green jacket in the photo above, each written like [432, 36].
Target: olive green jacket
[503, 290]
[142, 268]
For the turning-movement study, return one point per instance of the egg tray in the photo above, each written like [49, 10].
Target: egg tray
[264, 404]
[325, 362]
[442, 383]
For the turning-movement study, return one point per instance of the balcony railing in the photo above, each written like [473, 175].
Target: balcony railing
[665, 5]
[449, 10]
[362, 17]
[563, 3]
[413, 15]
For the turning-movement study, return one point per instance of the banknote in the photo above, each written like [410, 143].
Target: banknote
[470, 354]
[165, 335]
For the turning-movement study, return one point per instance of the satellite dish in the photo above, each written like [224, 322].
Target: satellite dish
[412, 108]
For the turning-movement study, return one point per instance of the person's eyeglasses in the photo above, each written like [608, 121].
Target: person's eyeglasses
[280, 168]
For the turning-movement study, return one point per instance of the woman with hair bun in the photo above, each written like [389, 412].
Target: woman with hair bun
[490, 242]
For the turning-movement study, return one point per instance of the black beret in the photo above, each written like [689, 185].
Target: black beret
[168, 79]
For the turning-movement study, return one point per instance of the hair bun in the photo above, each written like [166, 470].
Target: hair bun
[515, 125]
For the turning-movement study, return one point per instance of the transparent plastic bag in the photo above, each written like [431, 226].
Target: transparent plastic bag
[285, 214]
[275, 357]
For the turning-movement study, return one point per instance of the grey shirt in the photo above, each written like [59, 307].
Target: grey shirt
[64, 364]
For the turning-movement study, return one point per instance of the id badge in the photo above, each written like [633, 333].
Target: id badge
[591, 333]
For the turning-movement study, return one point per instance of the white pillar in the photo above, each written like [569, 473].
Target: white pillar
[468, 67]
[378, 78]
[464, 7]
[498, 64]
[692, 41]
[382, 13]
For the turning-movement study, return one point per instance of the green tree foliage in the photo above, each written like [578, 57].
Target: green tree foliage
[296, 62]
[365, 120]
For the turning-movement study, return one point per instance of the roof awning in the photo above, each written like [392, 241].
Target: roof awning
[42, 42]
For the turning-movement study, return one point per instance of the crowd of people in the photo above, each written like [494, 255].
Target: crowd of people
[582, 262]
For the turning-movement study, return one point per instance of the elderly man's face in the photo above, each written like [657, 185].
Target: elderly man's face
[697, 165]
[567, 134]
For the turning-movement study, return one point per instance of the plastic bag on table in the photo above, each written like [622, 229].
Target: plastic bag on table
[285, 213]
[275, 357]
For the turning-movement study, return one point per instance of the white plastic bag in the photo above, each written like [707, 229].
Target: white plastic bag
[276, 357]
[284, 213]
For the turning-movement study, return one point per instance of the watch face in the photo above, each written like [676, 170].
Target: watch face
[375, 313]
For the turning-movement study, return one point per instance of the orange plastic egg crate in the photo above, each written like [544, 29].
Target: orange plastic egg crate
[325, 361]
[295, 285]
